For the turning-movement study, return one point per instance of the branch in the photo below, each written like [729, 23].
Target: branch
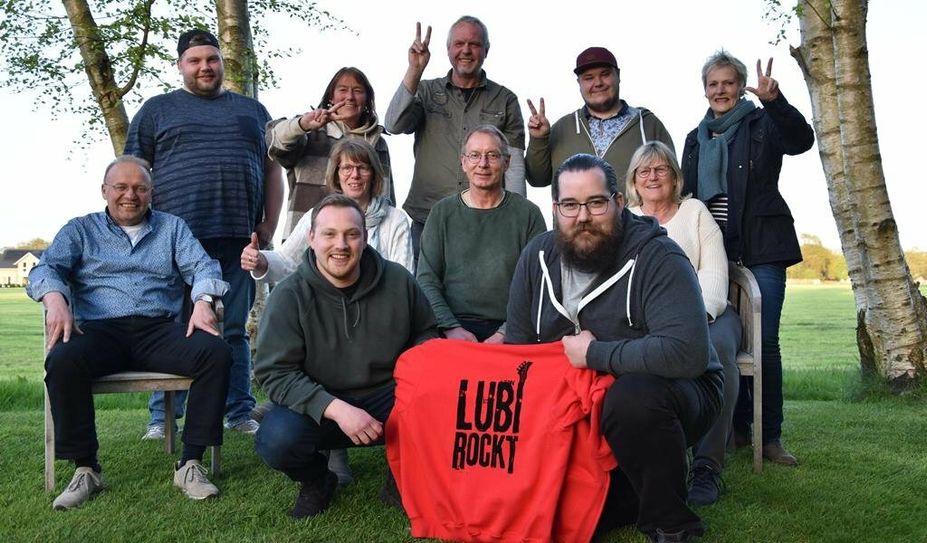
[141, 54]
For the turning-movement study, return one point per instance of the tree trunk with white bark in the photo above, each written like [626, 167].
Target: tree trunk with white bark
[891, 313]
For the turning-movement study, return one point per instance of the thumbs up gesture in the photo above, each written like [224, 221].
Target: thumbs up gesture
[251, 258]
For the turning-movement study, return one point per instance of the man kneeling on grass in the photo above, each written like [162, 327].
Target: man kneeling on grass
[326, 348]
[112, 284]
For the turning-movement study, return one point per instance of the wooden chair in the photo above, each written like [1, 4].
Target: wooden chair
[128, 381]
[744, 295]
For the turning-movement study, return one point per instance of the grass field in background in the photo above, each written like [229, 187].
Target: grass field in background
[863, 472]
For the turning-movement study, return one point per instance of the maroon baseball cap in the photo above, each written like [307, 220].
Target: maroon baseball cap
[594, 56]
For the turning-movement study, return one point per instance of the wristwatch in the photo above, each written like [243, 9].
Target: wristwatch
[208, 299]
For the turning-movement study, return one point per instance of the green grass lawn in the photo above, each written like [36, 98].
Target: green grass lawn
[863, 472]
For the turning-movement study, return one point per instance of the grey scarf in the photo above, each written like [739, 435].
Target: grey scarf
[377, 210]
[712, 152]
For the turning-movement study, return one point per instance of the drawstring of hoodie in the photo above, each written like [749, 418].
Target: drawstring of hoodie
[344, 317]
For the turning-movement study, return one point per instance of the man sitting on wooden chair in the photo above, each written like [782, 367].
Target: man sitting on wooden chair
[112, 284]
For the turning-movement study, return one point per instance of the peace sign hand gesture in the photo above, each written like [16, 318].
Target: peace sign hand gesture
[538, 125]
[767, 88]
[317, 118]
[419, 55]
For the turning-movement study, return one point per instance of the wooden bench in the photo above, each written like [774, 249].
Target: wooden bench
[744, 295]
[128, 381]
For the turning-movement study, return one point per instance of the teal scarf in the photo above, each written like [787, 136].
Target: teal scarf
[712, 152]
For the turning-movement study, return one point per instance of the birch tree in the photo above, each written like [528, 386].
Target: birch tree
[891, 313]
[119, 47]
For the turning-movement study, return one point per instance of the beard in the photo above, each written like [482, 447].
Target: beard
[590, 248]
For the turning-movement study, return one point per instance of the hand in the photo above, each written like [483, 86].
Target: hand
[496, 339]
[538, 125]
[419, 55]
[356, 423]
[59, 322]
[251, 258]
[203, 318]
[460, 333]
[767, 88]
[317, 118]
[575, 348]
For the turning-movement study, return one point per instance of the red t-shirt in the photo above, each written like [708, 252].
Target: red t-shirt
[498, 442]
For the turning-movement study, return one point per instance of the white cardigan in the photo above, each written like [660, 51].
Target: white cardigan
[393, 243]
[697, 233]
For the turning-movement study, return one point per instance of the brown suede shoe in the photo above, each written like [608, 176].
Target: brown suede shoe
[775, 452]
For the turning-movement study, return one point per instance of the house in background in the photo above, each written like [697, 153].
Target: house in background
[15, 265]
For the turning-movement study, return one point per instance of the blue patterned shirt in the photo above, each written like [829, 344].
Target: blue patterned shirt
[93, 264]
[604, 131]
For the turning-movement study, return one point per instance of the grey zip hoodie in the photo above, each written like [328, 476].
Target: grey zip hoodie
[645, 310]
[315, 344]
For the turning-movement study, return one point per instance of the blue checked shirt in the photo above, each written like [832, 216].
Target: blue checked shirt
[94, 266]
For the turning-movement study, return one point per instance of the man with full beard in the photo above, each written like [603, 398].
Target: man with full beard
[622, 298]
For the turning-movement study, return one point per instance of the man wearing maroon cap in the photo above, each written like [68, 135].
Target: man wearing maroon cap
[605, 126]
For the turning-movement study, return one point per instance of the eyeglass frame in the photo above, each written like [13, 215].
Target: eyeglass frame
[348, 169]
[122, 188]
[474, 158]
[579, 206]
[661, 173]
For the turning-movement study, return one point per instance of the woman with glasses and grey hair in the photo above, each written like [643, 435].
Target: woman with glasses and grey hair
[654, 188]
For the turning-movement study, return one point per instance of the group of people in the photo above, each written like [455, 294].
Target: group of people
[632, 280]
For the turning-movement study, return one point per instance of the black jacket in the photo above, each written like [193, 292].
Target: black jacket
[760, 227]
[646, 310]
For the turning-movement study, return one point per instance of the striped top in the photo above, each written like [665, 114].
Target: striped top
[207, 157]
[717, 206]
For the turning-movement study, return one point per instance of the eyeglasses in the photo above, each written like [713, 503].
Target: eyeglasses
[475, 158]
[661, 171]
[348, 169]
[595, 206]
[122, 188]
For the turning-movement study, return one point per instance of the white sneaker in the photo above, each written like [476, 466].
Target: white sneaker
[85, 484]
[247, 426]
[155, 431]
[191, 478]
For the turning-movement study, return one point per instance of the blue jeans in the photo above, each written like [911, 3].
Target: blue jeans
[290, 442]
[771, 280]
[237, 301]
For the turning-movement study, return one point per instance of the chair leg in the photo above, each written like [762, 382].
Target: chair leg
[758, 420]
[169, 422]
[215, 459]
[49, 445]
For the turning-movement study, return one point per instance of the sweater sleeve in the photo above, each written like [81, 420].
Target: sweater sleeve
[430, 274]
[280, 357]
[537, 162]
[676, 342]
[285, 141]
[519, 328]
[285, 260]
[712, 264]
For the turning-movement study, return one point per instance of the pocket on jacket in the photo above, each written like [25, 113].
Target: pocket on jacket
[495, 118]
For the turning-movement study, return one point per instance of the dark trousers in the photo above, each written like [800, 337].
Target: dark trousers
[771, 280]
[139, 344]
[649, 422]
[725, 338]
[483, 329]
[290, 442]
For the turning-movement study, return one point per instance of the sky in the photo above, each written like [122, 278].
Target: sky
[660, 45]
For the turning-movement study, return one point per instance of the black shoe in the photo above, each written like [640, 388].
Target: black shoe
[775, 452]
[315, 497]
[705, 485]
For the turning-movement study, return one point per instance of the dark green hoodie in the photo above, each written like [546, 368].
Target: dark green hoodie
[315, 344]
